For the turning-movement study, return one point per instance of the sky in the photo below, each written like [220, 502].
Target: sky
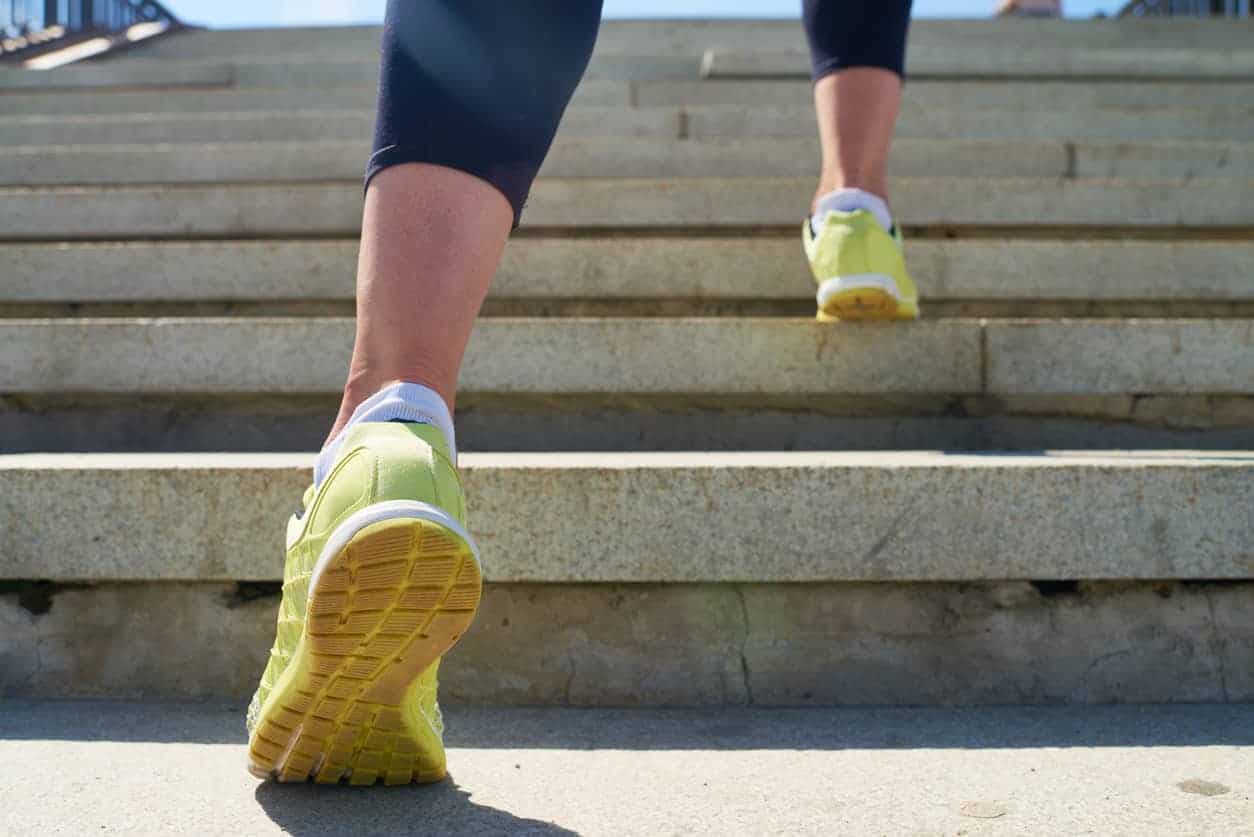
[234, 13]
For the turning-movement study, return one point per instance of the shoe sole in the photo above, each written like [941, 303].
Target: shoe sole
[864, 297]
[396, 586]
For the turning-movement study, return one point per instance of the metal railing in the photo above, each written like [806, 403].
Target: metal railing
[1186, 8]
[63, 31]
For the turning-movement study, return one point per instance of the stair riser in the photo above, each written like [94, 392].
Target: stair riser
[916, 121]
[692, 37]
[321, 161]
[936, 95]
[681, 205]
[817, 644]
[922, 63]
[933, 95]
[694, 270]
[989, 62]
[298, 424]
[691, 358]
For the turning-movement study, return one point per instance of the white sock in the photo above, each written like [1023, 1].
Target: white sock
[851, 200]
[407, 402]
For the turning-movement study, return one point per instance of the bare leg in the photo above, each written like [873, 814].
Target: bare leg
[857, 111]
[431, 240]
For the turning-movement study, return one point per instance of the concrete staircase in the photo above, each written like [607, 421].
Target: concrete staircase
[687, 491]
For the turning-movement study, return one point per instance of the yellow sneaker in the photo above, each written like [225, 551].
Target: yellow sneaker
[860, 269]
[381, 579]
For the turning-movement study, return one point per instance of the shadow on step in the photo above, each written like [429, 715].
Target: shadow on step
[292, 423]
[318, 809]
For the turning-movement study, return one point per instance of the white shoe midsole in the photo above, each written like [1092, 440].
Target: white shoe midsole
[840, 284]
[378, 512]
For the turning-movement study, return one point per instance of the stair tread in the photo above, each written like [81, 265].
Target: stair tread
[276, 161]
[606, 269]
[620, 356]
[680, 204]
[692, 517]
[1179, 122]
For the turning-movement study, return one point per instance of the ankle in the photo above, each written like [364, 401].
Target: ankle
[395, 401]
[361, 386]
[851, 200]
[829, 183]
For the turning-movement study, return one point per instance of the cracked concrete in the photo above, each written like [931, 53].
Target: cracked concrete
[1217, 643]
[691, 644]
[744, 644]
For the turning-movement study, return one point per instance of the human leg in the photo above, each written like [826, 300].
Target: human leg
[381, 576]
[857, 52]
[470, 96]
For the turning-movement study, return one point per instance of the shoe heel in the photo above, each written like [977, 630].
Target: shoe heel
[865, 296]
[399, 595]
[860, 304]
[386, 600]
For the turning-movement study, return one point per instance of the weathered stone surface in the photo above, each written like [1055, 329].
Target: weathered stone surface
[297, 423]
[673, 49]
[225, 99]
[538, 355]
[1121, 357]
[1075, 95]
[923, 93]
[294, 210]
[158, 74]
[589, 645]
[1083, 269]
[295, 71]
[1008, 121]
[594, 268]
[636, 157]
[347, 125]
[626, 356]
[870, 644]
[1174, 159]
[999, 61]
[544, 517]
[322, 161]
[694, 36]
[711, 122]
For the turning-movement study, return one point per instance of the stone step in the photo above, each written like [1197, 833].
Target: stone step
[815, 644]
[595, 423]
[1018, 61]
[1003, 121]
[911, 516]
[694, 36]
[1099, 272]
[678, 357]
[294, 71]
[328, 209]
[1038, 770]
[950, 94]
[332, 97]
[937, 95]
[318, 124]
[673, 122]
[742, 638]
[158, 75]
[922, 62]
[636, 157]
